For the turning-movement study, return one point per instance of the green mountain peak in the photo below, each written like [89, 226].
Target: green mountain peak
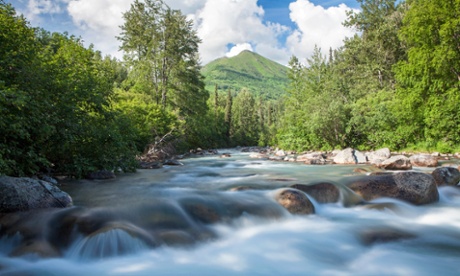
[248, 70]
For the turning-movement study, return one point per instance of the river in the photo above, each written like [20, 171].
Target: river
[153, 232]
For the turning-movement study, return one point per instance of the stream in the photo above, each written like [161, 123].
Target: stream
[218, 216]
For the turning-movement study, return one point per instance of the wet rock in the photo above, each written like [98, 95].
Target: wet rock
[319, 161]
[129, 228]
[258, 155]
[201, 210]
[276, 158]
[381, 206]
[176, 238]
[424, 160]
[295, 201]
[40, 248]
[322, 192]
[398, 162]
[170, 162]
[240, 188]
[360, 170]
[310, 156]
[378, 156]
[374, 236]
[446, 176]
[225, 155]
[101, 175]
[350, 156]
[413, 187]
[150, 165]
[22, 194]
[163, 215]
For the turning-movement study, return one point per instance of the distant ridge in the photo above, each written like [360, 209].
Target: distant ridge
[249, 70]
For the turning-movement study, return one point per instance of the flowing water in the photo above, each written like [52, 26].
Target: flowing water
[187, 220]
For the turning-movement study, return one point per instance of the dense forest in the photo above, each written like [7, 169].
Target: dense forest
[65, 108]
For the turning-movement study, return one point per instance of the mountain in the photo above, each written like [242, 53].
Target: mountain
[258, 74]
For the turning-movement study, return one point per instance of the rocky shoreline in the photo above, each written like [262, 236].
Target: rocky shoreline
[26, 201]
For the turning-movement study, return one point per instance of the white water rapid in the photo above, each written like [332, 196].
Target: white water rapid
[141, 224]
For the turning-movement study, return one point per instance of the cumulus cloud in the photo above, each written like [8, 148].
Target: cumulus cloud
[36, 8]
[316, 26]
[238, 48]
[99, 20]
[219, 23]
[223, 22]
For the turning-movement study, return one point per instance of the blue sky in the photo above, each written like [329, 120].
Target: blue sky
[276, 29]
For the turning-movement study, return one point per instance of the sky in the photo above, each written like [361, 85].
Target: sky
[276, 29]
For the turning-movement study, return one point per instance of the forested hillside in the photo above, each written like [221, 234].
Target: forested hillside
[249, 70]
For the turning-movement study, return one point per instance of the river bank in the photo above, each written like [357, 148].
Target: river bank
[220, 215]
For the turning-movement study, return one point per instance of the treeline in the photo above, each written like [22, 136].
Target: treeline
[66, 109]
[396, 83]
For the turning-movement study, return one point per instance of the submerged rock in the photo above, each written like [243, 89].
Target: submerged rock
[446, 176]
[22, 194]
[171, 162]
[295, 201]
[101, 175]
[373, 236]
[414, 187]
[40, 248]
[151, 165]
[322, 192]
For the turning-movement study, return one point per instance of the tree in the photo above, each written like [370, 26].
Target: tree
[429, 79]
[366, 63]
[228, 116]
[55, 104]
[161, 49]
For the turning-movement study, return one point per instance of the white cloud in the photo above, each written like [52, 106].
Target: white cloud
[238, 48]
[316, 26]
[223, 22]
[36, 8]
[99, 20]
[218, 23]
[43, 6]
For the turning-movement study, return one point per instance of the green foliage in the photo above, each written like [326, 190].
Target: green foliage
[55, 98]
[161, 50]
[429, 78]
[316, 110]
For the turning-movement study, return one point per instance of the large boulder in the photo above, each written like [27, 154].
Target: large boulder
[22, 194]
[314, 158]
[424, 160]
[398, 162]
[350, 156]
[414, 187]
[322, 192]
[378, 156]
[446, 176]
[295, 201]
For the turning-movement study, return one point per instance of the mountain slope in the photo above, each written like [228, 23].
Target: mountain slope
[258, 74]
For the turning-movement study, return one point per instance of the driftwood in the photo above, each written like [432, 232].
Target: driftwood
[161, 149]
